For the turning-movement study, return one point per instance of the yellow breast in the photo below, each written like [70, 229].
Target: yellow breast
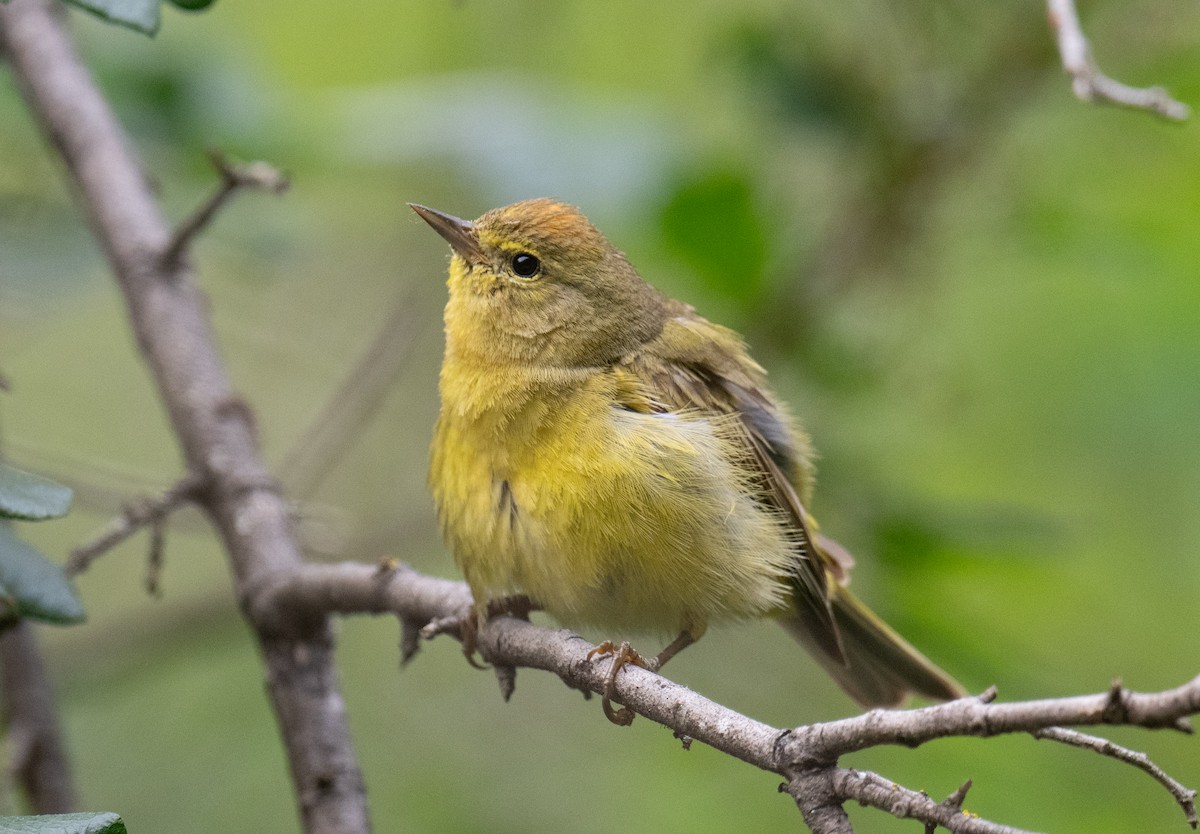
[604, 516]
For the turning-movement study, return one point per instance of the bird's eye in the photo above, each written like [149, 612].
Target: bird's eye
[525, 265]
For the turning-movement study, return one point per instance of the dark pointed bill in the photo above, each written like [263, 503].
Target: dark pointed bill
[459, 233]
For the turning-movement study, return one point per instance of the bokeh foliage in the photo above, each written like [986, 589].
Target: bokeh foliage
[979, 294]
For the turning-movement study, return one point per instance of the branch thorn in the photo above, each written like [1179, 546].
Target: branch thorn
[410, 640]
[1116, 711]
[506, 676]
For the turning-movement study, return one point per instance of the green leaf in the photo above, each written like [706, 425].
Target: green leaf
[33, 585]
[31, 497]
[192, 5]
[140, 15]
[86, 823]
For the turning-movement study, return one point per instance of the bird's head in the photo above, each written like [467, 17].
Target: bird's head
[536, 283]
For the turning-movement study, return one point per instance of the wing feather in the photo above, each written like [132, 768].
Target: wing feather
[697, 366]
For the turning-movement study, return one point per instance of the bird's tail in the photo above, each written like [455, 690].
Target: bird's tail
[879, 667]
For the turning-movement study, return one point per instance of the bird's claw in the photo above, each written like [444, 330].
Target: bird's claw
[465, 626]
[623, 655]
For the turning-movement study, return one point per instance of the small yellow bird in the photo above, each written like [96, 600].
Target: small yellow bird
[619, 461]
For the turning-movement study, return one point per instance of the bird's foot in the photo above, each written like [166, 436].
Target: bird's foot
[465, 626]
[622, 655]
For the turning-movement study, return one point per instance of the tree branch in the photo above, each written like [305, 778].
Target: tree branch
[807, 755]
[977, 717]
[212, 424]
[1089, 83]
[36, 754]
[289, 603]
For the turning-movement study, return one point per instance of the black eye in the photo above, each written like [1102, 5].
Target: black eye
[525, 265]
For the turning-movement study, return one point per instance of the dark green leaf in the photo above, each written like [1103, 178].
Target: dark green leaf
[192, 5]
[141, 15]
[33, 585]
[85, 823]
[31, 497]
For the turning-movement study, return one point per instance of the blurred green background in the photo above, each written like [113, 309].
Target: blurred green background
[979, 294]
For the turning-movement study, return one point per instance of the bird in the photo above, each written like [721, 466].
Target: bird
[605, 454]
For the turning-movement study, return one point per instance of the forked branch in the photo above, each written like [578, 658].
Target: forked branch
[807, 756]
[169, 316]
[149, 512]
[288, 603]
[234, 176]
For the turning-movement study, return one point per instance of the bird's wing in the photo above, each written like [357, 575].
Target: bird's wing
[695, 365]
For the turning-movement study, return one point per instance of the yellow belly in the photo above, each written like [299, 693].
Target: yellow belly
[605, 517]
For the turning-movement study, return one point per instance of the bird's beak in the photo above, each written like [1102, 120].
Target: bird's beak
[459, 233]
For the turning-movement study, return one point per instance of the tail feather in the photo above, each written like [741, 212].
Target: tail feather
[880, 667]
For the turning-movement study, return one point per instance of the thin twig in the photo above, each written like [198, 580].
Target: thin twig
[1186, 797]
[1092, 85]
[954, 802]
[151, 511]
[257, 175]
[875, 791]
